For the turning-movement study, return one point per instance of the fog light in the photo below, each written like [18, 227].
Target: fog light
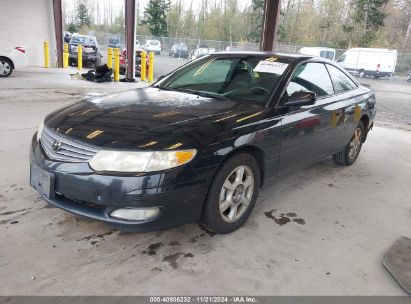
[134, 214]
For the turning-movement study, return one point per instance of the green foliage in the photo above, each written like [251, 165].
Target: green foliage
[155, 16]
[257, 18]
[369, 16]
[332, 23]
[83, 18]
[71, 28]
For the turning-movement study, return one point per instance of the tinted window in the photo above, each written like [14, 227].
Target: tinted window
[342, 58]
[213, 71]
[248, 78]
[341, 82]
[311, 77]
[83, 40]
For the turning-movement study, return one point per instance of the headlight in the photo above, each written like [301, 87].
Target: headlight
[129, 161]
[40, 130]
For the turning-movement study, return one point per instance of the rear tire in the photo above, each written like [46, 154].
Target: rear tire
[362, 74]
[232, 194]
[351, 151]
[6, 67]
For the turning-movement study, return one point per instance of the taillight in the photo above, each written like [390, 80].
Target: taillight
[378, 67]
[21, 49]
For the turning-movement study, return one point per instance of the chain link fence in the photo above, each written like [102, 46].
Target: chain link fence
[403, 62]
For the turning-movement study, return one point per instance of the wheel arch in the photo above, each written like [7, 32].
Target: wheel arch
[366, 121]
[8, 58]
[254, 151]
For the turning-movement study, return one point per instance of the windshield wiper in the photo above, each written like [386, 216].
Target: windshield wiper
[202, 93]
[199, 93]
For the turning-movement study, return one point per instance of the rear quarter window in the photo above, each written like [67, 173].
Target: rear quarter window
[342, 83]
[311, 77]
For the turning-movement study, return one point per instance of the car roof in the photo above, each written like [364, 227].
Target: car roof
[289, 56]
[318, 48]
[82, 36]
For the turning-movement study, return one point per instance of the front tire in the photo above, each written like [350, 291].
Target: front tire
[232, 195]
[6, 67]
[351, 151]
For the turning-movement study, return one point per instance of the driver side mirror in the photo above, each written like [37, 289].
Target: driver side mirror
[298, 99]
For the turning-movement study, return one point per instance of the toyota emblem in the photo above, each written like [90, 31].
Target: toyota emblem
[56, 145]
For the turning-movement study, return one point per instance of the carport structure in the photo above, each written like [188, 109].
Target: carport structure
[268, 35]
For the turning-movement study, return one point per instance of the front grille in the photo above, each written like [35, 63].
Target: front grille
[69, 150]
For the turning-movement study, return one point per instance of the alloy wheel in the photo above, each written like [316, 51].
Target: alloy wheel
[4, 68]
[236, 194]
[355, 144]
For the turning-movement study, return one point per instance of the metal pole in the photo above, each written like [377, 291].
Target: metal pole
[270, 24]
[130, 20]
[58, 28]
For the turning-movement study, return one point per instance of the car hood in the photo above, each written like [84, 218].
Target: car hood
[151, 118]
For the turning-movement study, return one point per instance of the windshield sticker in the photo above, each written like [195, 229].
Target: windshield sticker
[268, 66]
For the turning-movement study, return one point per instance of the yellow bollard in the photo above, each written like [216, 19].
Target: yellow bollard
[46, 54]
[80, 56]
[116, 64]
[150, 67]
[110, 58]
[65, 60]
[65, 56]
[143, 65]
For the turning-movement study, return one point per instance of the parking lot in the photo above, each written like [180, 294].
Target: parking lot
[321, 231]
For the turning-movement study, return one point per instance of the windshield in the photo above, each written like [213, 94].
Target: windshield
[249, 78]
[82, 40]
[327, 55]
[182, 47]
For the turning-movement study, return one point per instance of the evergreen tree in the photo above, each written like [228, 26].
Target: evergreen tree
[72, 28]
[257, 16]
[83, 17]
[369, 16]
[155, 16]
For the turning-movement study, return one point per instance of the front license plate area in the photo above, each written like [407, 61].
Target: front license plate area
[43, 181]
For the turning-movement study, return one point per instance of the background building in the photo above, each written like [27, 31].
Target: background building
[28, 24]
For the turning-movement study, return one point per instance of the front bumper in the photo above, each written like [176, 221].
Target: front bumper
[86, 56]
[179, 195]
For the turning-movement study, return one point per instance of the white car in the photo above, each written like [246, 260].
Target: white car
[202, 51]
[153, 46]
[12, 59]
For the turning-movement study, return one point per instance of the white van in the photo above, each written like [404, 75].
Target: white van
[369, 62]
[318, 52]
